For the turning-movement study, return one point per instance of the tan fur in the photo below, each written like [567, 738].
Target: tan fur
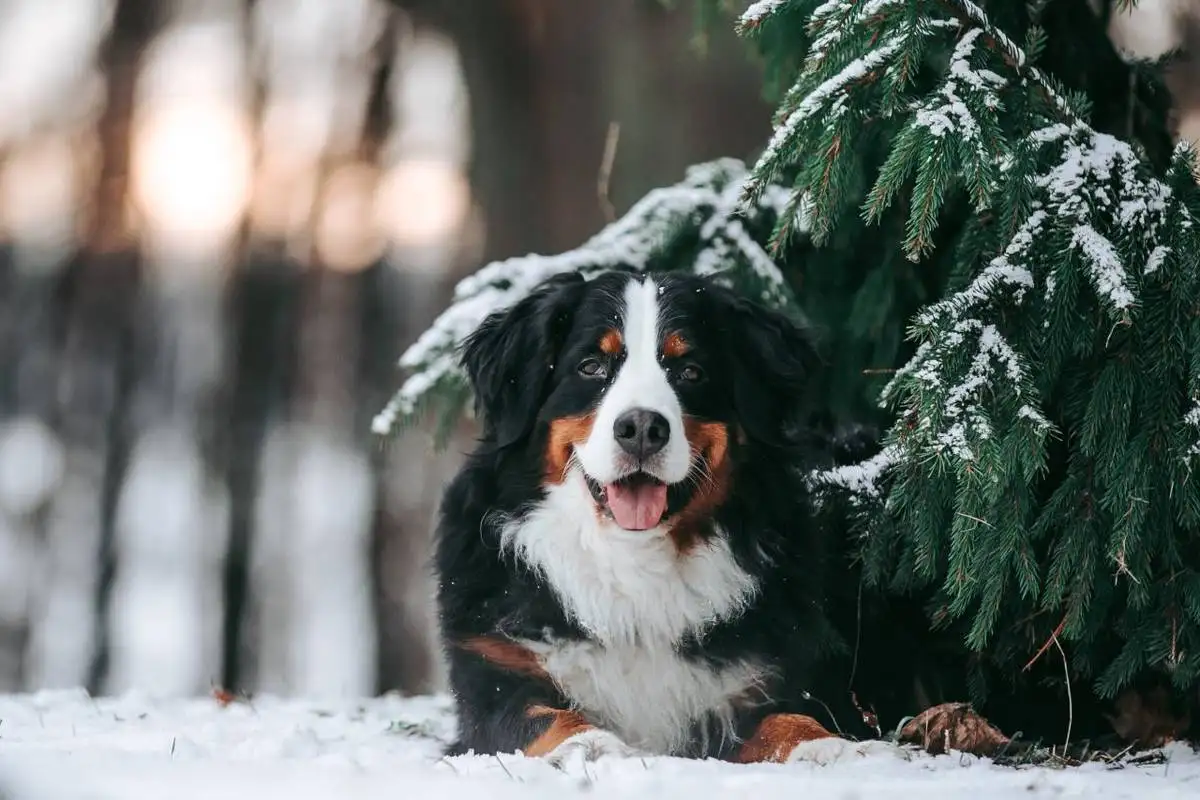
[565, 434]
[709, 441]
[777, 736]
[505, 654]
[675, 346]
[563, 725]
[611, 343]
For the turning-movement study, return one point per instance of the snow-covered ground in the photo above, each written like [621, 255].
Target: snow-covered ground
[66, 745]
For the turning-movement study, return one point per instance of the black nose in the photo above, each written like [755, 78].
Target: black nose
[641, 432]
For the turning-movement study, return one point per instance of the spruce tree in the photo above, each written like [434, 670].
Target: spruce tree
[980, 205]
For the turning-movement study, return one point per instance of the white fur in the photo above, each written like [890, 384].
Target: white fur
[636, 595]
[590, 745]
[641, 382]
[834, 749]
[626, 587]
[648, 695]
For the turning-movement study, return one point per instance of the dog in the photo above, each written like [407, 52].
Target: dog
[630, 561]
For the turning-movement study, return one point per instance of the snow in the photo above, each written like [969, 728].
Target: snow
[1192, 420]
[67, 745]
[1155, 261]
[978, 16]
[1004, 274]
[862, 479]
[829, 32]
[839, 84]
[1099, 174]
[1107, 270]
[952, 115]
[758, 11]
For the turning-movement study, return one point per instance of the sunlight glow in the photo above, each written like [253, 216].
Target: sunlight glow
[346, 240]
[192, 166]
[423, 201]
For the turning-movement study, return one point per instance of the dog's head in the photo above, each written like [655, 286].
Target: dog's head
[644, 384]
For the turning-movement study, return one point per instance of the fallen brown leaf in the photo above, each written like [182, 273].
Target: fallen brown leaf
[953, 726]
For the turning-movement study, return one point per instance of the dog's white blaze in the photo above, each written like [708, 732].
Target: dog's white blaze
[636, 596]
[641, 382]
[648, 695]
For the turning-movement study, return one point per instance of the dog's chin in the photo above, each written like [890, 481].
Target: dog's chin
[637, 501]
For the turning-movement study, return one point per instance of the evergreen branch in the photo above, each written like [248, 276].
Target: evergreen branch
[971, 15]
[758, 11]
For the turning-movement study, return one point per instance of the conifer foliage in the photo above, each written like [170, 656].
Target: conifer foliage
[1015, 203]
[1037, 476]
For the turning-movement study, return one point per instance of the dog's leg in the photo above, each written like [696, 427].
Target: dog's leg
[568, 735]
[786, 738]
[507, 703]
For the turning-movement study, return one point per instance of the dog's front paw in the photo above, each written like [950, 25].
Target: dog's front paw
[833, 749]
[590, 745]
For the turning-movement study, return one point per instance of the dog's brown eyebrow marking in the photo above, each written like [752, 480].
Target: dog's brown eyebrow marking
[675, 346]
[611, 342]
[505, 654]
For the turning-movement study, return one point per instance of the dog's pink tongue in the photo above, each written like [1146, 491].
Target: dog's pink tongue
[637, 507]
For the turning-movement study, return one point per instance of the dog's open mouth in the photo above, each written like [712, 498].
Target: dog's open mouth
[637, 502]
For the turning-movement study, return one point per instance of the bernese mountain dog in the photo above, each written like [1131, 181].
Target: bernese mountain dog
[630, 560]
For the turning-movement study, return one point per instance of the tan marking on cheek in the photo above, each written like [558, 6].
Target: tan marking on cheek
[675, 346]
[506, 654]
[611, 342]
[563, 725]
[777, 736]
[565, 434]
[709, 441]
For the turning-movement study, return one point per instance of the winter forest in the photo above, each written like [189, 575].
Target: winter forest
[223, 221]
[242, 240]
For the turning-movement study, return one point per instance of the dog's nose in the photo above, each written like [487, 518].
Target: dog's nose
[642, 432]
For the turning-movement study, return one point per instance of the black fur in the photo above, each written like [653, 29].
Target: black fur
[804, 622]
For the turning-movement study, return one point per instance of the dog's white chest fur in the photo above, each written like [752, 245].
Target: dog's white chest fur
[649, 696]
[626, 587]
[636, 596]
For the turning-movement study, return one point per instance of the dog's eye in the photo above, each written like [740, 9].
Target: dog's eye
[690, 373]
[592, 368]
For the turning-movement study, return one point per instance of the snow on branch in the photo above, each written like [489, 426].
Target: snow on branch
[1192, 420]
[758, 11]
[1098, 178]
[860, 481]
[1007, 272]
[948, 112]
[706, 201]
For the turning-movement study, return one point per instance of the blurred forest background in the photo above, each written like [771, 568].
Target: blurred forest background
[221, 222]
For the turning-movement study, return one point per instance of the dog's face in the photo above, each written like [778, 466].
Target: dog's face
[643, 384]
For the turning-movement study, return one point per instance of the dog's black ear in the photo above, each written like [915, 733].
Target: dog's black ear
[510, 356]
[775, 359]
